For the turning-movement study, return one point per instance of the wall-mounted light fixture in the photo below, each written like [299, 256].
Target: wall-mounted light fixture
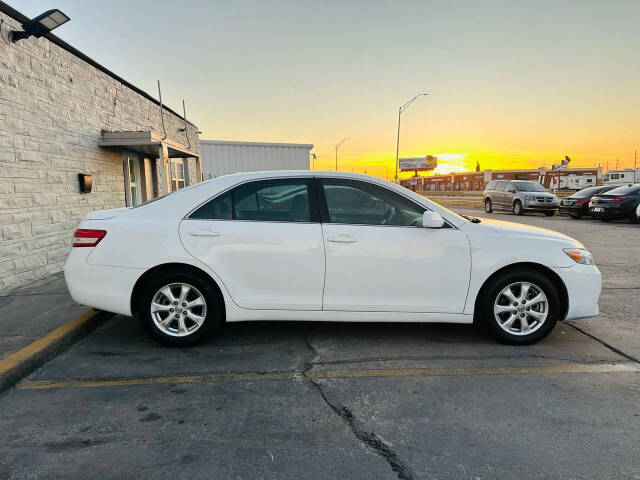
[86, 183]
[41, 25]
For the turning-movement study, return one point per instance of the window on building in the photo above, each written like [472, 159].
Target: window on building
[177, 174]
[134, 180]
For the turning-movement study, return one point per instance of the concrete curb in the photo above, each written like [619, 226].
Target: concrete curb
[18, 365]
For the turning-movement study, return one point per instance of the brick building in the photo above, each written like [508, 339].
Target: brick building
[570, 178]
[63, 114]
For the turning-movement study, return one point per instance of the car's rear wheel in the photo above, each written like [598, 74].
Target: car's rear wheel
[488, 207]
[635, 216]
[520, 307]
[179, 309]
[517, 207]
[550, 213]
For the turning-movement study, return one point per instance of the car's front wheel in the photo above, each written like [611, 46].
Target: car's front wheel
[179, 309]
[520, 307]
[517, 207]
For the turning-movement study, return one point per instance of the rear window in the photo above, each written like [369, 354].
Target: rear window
[491, 185]
[587, 192]
[626, 190]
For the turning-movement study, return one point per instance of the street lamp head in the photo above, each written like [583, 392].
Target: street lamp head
[40, 25]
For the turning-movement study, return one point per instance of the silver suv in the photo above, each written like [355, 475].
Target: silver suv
[519, 196]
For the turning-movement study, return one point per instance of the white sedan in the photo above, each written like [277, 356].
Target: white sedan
[323, 246]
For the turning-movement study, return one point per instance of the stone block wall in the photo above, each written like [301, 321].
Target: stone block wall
[53, 108]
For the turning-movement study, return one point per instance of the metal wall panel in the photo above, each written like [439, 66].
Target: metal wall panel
[221, 158]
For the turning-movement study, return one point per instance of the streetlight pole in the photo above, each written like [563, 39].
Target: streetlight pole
[337, 145]
[401, 109]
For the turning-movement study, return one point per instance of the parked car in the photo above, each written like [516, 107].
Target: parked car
[577, 205]
[343, 247]
[621, 202]
[518, 196]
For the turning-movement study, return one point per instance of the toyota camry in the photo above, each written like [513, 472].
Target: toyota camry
[323, 246]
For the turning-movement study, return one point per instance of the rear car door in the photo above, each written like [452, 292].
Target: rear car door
[379, 258]
[264, 240]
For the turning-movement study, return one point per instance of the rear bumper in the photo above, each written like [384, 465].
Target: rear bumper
[98, 286]
[567, 210]
[610, 212]
[583, 283]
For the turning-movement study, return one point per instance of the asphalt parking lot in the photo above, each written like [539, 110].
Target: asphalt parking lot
[357, 401]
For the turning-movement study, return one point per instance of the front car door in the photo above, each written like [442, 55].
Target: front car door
[264, 240]
[379, 258]
[509, 195]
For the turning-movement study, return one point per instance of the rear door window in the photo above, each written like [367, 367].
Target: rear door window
[280, 200]
[491, 185]
[500, 185]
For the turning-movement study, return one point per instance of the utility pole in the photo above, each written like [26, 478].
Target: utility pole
[401, 109]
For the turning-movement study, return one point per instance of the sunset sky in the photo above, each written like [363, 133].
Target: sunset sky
[512, 84]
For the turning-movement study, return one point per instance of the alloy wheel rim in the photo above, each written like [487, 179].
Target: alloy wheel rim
[178, 309]
[487, 206]
[517, 208]
[521, 308]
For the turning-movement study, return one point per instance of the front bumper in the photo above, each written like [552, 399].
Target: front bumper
[542, 206]
[583, 283]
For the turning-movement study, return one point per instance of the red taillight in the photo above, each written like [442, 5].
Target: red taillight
[618, 200]
[87, 238]
[581, 202]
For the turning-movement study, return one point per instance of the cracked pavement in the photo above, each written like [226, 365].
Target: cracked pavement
[263, 400]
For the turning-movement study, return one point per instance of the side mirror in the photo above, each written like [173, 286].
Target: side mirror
[432, 219]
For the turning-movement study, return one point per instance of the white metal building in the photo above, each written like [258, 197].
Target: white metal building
[222, 157]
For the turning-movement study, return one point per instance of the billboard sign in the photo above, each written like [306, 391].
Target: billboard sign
[428, 162]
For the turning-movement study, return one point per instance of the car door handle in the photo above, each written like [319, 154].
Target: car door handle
[204, 233]
[341, 239]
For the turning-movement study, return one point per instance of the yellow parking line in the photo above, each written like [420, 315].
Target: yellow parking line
[319, 374]
[14, 360]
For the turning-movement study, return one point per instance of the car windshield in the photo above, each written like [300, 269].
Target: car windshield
[529, 187]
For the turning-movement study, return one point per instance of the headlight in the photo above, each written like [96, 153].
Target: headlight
[530, 197]
[580, 255]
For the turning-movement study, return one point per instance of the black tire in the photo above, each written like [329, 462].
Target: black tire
[485, 306]
[576, 216]
[635, 216]
[488, 206]
[517, 208]
[214, 315]
[549, 214]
